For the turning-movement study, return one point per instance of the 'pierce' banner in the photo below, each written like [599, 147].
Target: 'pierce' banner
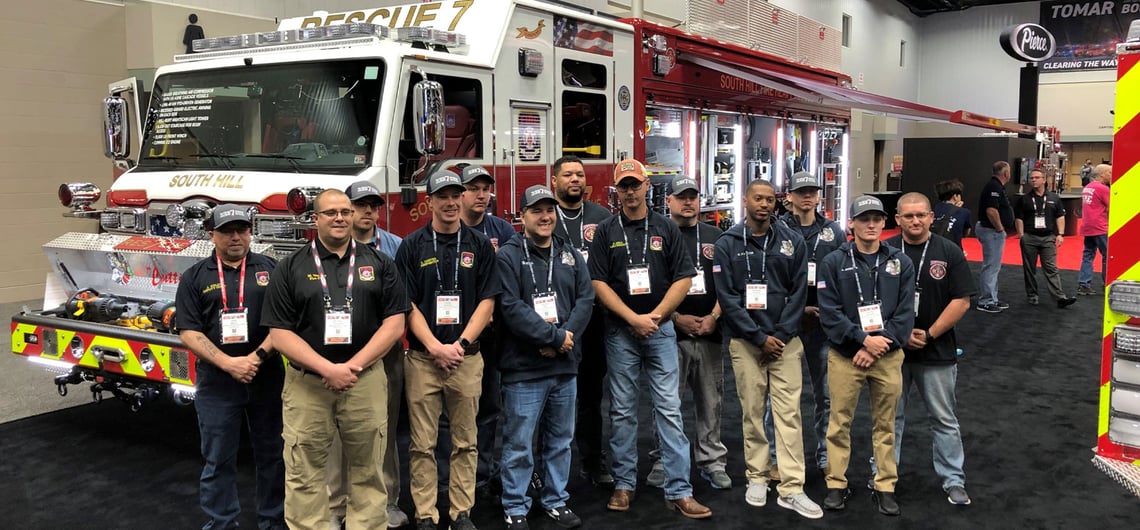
[1087, 32]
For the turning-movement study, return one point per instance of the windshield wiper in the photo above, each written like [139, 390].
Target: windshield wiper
[224, 158]
[275, 156]
[171, 158]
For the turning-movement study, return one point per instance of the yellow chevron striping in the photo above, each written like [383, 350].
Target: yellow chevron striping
[1102, 416]
[1127, 98]
[1123, 195]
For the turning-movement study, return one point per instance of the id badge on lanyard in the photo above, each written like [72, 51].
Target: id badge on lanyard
[871, 317]
[338, 327]
[698, 286]
[447, 308]
[639, 280]
[811, 273]
[546, 305]
[917, 299]
[585, 254]
[756, 296]
[235, 327]
[1039, 222]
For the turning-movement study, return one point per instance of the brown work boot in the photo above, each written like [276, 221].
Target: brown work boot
[619, 501]
[689, 507]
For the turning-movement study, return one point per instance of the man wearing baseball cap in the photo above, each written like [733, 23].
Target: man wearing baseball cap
[239, 375]
[866, 302]
[545, 306]
[701, 357]
[821, 235]
[641, 272]
[449, 270]
[366, 204]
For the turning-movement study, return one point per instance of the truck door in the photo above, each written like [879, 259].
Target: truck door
[130, 90]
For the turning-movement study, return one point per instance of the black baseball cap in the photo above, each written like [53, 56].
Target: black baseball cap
[682, 183]
[443, 179]
[358, 191]
[536, 194]
[866, 203]
[803, 179]
[470, 173]
[225, 214]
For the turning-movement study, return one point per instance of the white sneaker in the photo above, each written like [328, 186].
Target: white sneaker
[801, 504]
[757, 494]
[396, 517]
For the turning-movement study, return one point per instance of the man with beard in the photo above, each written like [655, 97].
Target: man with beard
[219, 303]
[334, 309]
[546, 302]
[578, 219]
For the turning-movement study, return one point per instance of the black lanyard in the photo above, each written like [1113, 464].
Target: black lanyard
[324, 281]
[435, 249]
[873, 272]
[644, 242]
[763, 253]
[530, 264]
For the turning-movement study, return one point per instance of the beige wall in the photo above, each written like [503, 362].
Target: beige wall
[155, 31]
[56, 58]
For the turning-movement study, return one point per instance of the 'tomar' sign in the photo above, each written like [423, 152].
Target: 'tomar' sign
[1028, 42]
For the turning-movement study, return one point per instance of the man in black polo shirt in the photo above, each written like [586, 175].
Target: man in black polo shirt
[942, 294]
[1041, 228]
[335, 309]
[578, 220]
[994, 216]
[641, 272]
[450, 273]
[219, 314]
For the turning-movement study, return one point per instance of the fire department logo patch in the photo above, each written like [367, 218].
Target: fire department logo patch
[893, 266]
[568, 258]
[366, 274]
[937, 269]
[467, 259]
[262, 278]
[786, 248]
[708, 250]
[588, 232]
[827, 234]
[656, 243]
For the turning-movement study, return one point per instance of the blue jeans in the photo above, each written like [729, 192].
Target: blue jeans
[814, 341]
[626, 357]
[935, 383]
[1092, 245]
[224, 405]
[993, 245]
[549, 402]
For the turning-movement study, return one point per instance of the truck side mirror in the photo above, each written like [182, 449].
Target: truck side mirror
[116, 128]
[427, 110]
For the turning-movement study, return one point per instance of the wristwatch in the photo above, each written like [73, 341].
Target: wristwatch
[926, 332]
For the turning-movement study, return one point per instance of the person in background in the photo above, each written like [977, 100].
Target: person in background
[1086, 172]
[1094, 227]
[951, 219]
[1040, 220]
[545, 306]
[994, 216]
[335, 309]
[240, 377]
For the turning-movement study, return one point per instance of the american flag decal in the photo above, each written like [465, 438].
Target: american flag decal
[582, 36]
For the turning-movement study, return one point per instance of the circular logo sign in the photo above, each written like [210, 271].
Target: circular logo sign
[1028, 42]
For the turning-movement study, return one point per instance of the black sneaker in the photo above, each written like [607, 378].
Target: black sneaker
[425, 524]
[836, 499]
[1066, 302]
[1002, 305]
[489, 495]
[564, 517]
[463, 522]
[886, 502]
[1085, 290]
[598, 475]
[517, 522]
[988, 308]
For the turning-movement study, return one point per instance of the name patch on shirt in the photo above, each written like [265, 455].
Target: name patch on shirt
[429, 262]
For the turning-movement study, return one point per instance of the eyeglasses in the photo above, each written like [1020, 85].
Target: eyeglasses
[912, 216]
[628, 186]
[332, 214]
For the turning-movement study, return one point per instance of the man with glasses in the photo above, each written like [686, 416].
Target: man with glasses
[334, 309]
[367, 202]
[641, 272]
[1041, 228]
[239, 374]
[578, 220]
[866, 307]
[943, 289]
[450, 273]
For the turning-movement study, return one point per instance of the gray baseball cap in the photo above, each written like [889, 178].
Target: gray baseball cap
[361, 190]
[536, 194]
[470, 173]
[682, 183]
[443, 179]
[803, 179]
[225, 214]
[866, 203]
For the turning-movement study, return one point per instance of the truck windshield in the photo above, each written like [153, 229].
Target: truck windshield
[308, 117]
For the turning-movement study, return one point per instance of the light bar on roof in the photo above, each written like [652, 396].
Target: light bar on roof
[451, 40]
[290, 36]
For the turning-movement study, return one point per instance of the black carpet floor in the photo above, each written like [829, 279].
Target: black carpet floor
[1027, 402]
